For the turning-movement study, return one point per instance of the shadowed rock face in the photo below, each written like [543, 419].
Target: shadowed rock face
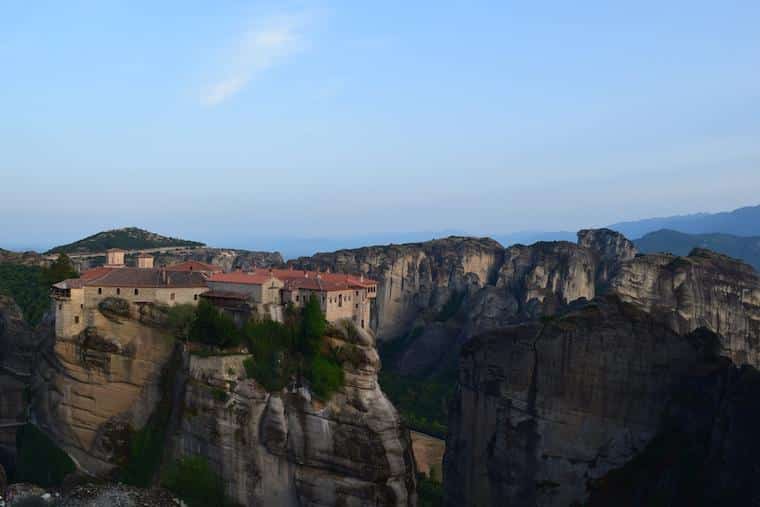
[543, 408]
[18, 344]
[286, 449]
[706, 451]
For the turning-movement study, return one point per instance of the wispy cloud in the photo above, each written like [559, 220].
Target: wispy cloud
[267, 43]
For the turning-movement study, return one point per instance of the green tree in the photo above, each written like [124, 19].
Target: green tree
[195, 482]
[60, 270]
[180, 320]
[212, 327]
[313, 327]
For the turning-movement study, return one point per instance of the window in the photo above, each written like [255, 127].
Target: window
[81, 306]
[118, 291]
[195, 297]
[76, 319]
[357, 305]
[362, 323]
[340, 300]
[137, 291]
[296, 297]
[171, 296]
[60, 306]
[100, 290]
[357, 292]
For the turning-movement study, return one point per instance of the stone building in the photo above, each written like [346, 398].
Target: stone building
[77, 299]
[341, 297]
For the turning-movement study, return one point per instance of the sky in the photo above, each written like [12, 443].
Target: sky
[235, 122]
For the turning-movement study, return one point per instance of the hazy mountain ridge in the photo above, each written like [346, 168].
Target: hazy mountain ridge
[740, 222]
[680, 243]
[128, 238]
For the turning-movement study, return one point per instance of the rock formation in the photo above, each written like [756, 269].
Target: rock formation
[543, 408]
[415, 279]
[286, 448]
[704, 289]
[95, 388]
[706, 450]
[18, 344]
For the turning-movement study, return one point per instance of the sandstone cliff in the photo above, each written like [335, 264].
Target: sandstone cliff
[286, 448]
[545, 407]
[95, 388]
[704, 289]
[415, 279]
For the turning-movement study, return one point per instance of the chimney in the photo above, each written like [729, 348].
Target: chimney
[145, 261]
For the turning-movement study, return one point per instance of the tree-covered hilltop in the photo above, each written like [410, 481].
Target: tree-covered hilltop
[128, 238]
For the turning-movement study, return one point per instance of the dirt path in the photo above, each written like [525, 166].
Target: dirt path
[428, 452]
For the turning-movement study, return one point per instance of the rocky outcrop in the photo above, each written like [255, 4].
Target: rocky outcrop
[544, 408]
[95, 388]
[229, 259]
[705, 289]
[287, 448]
[18, 344]
[415, 280]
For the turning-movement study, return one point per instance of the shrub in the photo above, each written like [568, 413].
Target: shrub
[325, 376]
[26, 286]
[180, 319]
[40, 460]
[212, 327]
[429, 492]
[193, 480]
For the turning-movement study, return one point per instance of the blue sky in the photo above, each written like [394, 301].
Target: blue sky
[236, 122]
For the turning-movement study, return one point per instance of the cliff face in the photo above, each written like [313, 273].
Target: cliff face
[416, 279]
[703, 289]
[17, 347]
[451, 289]
[97, 387]
[543, 408]
[706, 450]
[288, 449]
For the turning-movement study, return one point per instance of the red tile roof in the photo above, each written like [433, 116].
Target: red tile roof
[194, 266]
[247, 278]
[142, 277]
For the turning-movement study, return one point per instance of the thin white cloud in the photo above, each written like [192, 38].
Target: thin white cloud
[266, 44]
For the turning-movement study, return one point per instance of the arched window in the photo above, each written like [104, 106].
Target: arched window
[100, 290]
[118, 291]
[340, 300]
[137, 292]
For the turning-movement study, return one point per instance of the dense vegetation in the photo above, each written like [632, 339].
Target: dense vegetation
[295, 349]
[422, 401]
[194, 481]
[130, 238]
[429, 491]
[40, 460]
[29, 286]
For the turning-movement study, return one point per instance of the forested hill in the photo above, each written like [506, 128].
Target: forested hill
[129, 238]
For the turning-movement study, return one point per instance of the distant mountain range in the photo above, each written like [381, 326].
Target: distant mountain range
[128, 238]
[739, 222]
[680, 243]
